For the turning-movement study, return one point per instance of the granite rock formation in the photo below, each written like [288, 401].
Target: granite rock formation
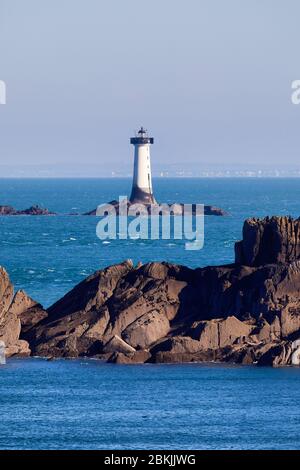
[247, 312]
[16, 311]
[267, 241]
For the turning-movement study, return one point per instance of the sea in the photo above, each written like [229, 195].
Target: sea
[84, 404]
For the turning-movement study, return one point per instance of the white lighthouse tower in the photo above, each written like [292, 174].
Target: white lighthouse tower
[142, 180]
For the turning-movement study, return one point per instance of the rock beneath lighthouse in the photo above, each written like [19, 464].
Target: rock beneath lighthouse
[160, 209]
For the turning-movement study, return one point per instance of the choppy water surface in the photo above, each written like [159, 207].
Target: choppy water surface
[46, 256]
[89, 405]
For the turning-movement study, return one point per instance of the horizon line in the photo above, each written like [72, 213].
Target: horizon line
[155, 177]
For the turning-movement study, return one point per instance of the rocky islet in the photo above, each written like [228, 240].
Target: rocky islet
[247, 312]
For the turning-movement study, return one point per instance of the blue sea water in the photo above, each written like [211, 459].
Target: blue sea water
[47, 256]
[89, 405]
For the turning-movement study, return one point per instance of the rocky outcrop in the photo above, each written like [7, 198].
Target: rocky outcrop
[176, 209]
[270, 240]
[78, 323]
[16, 312]
[281, 353]
[7, 210]
[162, 312]
[247, 312]
[27, 310]
[33, 210]
[155, 208]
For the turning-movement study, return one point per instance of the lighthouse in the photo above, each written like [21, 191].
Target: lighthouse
[142, 180]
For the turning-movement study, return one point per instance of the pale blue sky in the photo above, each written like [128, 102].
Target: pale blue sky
[211, 79]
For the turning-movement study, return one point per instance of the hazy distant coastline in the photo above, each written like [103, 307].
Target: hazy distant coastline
[4, 174]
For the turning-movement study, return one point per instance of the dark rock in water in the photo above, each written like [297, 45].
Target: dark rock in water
[7, 210]
[247, 312]
[139, 357]
[173, 209]
[212, 210]
[33, 210]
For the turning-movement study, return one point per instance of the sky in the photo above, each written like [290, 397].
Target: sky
[210, 80]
